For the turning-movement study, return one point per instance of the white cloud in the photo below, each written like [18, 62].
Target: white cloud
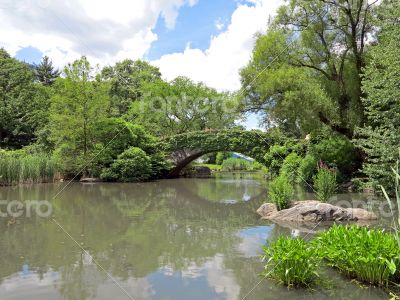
[108, 31]
[219, 24]
[105, 31]
[219, 65]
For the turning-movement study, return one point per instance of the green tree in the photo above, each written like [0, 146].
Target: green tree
[380, 140]
[20, 103]
[77, 105]
[182, 105]
[45, 72]
[313, 57]
[126, 79]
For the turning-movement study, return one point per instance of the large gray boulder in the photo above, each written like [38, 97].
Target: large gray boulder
[312, 211]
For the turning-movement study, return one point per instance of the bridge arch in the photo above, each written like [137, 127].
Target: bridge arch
[186, 147]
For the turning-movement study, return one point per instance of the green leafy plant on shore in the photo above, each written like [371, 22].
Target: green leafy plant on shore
[280, 192]
[369, 255]
[325, 183]
[292, 262]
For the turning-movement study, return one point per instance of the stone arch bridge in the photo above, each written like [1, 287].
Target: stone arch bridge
[186, 147]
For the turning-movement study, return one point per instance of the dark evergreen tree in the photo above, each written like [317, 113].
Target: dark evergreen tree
[45, 72]
[381, 139]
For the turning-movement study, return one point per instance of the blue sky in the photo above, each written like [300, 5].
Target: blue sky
[194, 25]
[205, 40]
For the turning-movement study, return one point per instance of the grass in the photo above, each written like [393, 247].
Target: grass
[212, 167]
[325, 184]
[26, 169]
[237, 164]
[280, 192]
[368, 255]
[292, 262]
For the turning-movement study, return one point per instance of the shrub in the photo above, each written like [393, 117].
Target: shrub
[307, 169]
[274, 158]
[325, 183]
[290, 167]
[280, 191]
[336, 151]
[369, 255]
[114, 136]
[293, 262]
[132, 165]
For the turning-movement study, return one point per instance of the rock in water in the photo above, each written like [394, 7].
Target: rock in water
[314, 211]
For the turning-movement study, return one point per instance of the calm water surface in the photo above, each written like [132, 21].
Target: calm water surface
[172, 239]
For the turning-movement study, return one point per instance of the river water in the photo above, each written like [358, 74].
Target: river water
[171, 239]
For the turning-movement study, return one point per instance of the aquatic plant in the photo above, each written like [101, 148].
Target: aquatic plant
[369, 255]
[26, 169]
[291, 261]
[280, 192]
[325, 183]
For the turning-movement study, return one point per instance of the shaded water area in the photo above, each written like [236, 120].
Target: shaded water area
[171, 239]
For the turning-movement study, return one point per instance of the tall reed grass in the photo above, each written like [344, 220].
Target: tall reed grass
[26, 169]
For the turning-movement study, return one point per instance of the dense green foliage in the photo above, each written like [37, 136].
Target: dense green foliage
[182, 105]
[237, 164]
[307, 169]
[369, 255]
[291, 261]
[21, 103]
[290, 167]
[325, 183]
[131, 165]
[310, 83]
[127, 80]
[380, 139]
[280, 192]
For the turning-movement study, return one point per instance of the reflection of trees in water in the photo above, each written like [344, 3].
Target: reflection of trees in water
[131, 229]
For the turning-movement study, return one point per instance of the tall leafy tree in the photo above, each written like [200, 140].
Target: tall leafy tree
[76, 107]
[127, 79]
[381, 138]
[182, 105]
[20, 103]
[323, 41]
[45, 72]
